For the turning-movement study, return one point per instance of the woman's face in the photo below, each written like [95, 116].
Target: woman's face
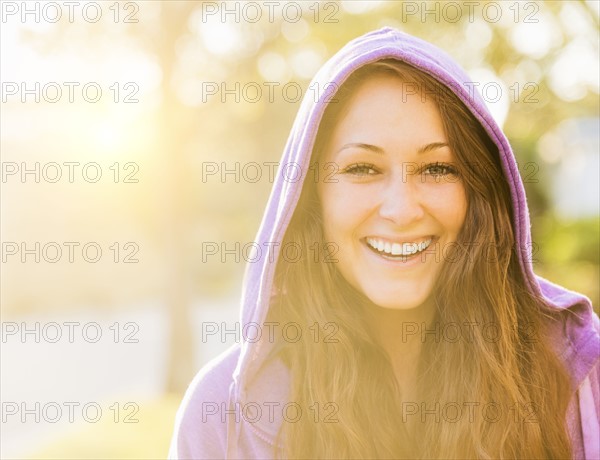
[396, 203]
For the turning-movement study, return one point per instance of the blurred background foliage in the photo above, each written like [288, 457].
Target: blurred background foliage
[544, 55]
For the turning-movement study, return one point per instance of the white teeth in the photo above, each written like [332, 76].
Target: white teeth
[398, 249]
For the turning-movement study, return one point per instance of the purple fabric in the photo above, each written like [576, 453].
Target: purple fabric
[237, 377]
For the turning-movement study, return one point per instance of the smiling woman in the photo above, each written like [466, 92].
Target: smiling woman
[429, 336]
[394, 196]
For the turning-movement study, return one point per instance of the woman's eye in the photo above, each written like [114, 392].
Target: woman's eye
[439, 169]
[361, 169]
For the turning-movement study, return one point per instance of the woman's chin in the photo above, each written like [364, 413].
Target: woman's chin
[394, 304]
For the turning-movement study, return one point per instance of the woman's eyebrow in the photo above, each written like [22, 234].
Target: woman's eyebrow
[359, 145]
[373, 148]
[433, 146]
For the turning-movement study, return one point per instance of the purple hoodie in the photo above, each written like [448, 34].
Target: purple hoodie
[232, 409]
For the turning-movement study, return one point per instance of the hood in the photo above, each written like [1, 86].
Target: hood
[576, 338]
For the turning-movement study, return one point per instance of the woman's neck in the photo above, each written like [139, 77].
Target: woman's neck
[401, 334]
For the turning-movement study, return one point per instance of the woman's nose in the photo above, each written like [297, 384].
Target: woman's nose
[401, 202]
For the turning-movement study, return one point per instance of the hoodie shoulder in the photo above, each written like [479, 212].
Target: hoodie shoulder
[576, 338]
[199, 432]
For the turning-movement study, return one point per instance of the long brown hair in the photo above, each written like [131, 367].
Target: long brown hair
[349, 379]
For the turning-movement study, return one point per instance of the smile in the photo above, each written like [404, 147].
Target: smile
[396, 249]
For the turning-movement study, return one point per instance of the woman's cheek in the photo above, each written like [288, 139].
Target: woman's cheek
[451, 207]
[448, 194]
[344, 207]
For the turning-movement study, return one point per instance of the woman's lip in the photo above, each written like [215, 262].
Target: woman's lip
[400, 260]
[392, 240]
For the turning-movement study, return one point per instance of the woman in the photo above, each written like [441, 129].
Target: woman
[412, 325]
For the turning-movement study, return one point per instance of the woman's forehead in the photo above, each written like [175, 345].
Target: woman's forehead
[379, 112]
